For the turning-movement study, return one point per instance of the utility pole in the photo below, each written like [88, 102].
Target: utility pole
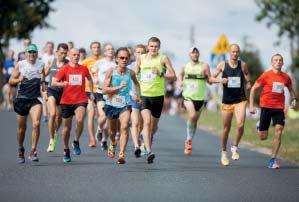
[191, 36]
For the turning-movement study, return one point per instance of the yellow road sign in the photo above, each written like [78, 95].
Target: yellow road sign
[222, 45]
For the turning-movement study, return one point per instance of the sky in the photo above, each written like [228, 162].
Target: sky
[123, 22]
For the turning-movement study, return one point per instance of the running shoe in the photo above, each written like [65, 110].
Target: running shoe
[67, 156]
[137, 152]
[21, 156]
[235, 154]
[51, 147]
[273, 163]
[121, 158]
[143, 150]
[104, 146]
[76, 147]
[92, 142]
[188, 147]
[150, 157]
[224, 159]
[33, 155]
[111, 151]
[99, 135]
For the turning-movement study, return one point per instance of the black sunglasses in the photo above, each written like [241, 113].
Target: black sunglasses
[32, 52]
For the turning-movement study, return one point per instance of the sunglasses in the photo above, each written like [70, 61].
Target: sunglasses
[32, 52]
[123, 58]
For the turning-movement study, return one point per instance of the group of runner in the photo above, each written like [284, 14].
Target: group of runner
[118, 92]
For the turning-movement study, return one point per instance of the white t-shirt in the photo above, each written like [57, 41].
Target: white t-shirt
[31, 71]
[46, 58]
[102, 66]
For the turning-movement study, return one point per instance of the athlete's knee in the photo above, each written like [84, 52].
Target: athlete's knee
[80, 122]
[35, 124]
[240, 126]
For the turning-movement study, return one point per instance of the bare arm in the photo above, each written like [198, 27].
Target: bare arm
[170, 75]
[15, 76]
[107, 81]
[48, 67]
[293, 96]
[137, 65]
[252, 96]
[246, 73]
[213, 78]
[135, 95]
[207, 73]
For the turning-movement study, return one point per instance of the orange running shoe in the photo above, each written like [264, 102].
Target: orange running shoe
[188, 147]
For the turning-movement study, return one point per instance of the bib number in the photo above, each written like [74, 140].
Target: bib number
[75, 79]
[118, 101]
[148, 77]
[278, 87]
[192, 86]
[234, 82]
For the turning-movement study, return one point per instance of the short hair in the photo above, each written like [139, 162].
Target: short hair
[50, 42]
[63, 46]
[122, 49]
[82, 50]
[277, 54]
[141, 46]
[154, 39]
[107, 44]
[94, 42]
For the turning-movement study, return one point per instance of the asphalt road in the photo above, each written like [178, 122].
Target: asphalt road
[92, 176]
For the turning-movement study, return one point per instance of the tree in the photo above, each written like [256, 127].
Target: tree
[18, 20]
[250, 55]
[285, 15]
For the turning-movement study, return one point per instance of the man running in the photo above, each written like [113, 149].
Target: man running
[28, 76]
[71, 78]
[89, 62]
[118, 86]
[235, 73]
[8, 91]
[272, 103]
[100, 69]
[54, 95]
[194, 76]
[152, 66]
[47, 58]
[136, 119]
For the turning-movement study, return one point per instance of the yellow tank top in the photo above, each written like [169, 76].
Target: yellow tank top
[151, 85]
[89, 63]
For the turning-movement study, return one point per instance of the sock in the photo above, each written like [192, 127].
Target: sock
[51, 141]
[191, 128]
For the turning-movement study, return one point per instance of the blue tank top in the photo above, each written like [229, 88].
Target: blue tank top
[122, 98]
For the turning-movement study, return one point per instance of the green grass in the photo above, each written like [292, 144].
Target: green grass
[290, 139]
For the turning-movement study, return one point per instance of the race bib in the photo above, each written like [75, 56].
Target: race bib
[148, 77]
[75, 79]
[278, 87]
[192, 86]
[118, 101]
[234, 82]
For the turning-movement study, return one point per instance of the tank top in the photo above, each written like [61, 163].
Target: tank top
[54, 69]
[151, 85]
[233, 91]
[30, 88]
[194, 82]
[122, 97]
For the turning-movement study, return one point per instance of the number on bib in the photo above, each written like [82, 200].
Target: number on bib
[234, 82]
[278, 87]
[75, 79]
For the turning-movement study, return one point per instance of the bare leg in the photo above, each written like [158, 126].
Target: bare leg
[35, 113]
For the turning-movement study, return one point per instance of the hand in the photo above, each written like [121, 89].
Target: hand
[224, 80]
[293, 104]
[156, 71]
[248, 85]
[22, 78]
[123, 84]
[92, 96]
[65, 83]
[252, 110]
[136, 98]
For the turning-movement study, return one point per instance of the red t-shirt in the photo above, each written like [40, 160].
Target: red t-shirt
[273, 84]
[74, 92]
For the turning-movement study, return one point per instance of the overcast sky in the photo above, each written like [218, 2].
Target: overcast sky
[123, 22]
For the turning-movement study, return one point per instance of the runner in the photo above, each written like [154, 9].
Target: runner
[28, 76]
[272, 103]
[194, 76]
[54, 95]
[8, 91]
[136, 119]
[74, 100]
[118, 86]
[234, 73]
[83, 54]
[47, 58]
[89, 62]
[100, 69]
[152, 68]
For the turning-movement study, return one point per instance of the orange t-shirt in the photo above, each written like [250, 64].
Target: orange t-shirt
[89, 63]
[272, 95]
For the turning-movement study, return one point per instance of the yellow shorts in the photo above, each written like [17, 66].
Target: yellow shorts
[230, 108]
